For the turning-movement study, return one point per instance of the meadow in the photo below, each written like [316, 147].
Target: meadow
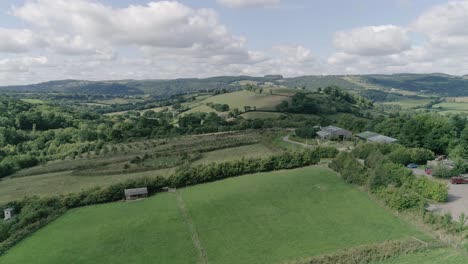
[262, 115]
[410, 103]
[240, 99]
[148, 231]
[452, 107]
[259, 218]
[101, 170]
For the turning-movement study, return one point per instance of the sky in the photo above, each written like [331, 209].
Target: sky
[42, 40]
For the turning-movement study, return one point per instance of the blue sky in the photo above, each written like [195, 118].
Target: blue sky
[119, 39]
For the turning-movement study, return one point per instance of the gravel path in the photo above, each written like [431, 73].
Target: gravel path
[457, 198]
[286, 139]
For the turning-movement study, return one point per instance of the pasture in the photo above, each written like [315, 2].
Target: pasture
[229, 154]
[147, 231]
[410, 103]
[259, 218]
[262, 115]
[452, 107]
[240, 99]
[163, 156]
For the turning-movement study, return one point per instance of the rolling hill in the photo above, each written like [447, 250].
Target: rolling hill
[403, 84]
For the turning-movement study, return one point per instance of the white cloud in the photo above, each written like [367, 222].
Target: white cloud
[373, 40]
[17, 40]
[161, 24]
[249, 3]
[445, 25]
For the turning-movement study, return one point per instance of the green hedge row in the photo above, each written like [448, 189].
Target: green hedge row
[367, 254]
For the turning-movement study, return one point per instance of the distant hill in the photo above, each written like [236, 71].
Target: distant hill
[433, 84]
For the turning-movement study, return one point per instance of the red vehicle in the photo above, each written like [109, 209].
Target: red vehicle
[459, 180]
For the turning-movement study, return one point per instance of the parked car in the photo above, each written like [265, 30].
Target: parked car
[428, 171]
[459, 180]
[412, 166]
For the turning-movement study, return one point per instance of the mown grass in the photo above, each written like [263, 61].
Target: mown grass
[259, 218]
[278, 216]
[148, 231]
[435, 256]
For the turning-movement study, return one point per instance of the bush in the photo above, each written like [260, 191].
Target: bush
[349, 168]
[400, 198]
[430, 189]
[443, 171]
[401, 156]
[421, 155]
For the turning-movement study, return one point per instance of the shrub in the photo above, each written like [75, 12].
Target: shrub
[443, 171]
[430, 189]
[400, 198]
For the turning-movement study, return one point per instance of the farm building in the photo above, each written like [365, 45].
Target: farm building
[136, 193]
[8, 213]
[332, 132]
[375, 137]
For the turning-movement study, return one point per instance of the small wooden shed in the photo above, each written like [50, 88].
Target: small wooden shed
[136, 193]
[8, 213]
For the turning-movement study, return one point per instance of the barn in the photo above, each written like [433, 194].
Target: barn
[332, 132]
[136, 193]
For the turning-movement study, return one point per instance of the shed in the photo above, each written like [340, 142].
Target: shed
[333, 132]
[136, 193]
[375, 137]
[382, 139]
[8, 213]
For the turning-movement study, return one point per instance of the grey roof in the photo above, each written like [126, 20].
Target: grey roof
[366, 135]
[382, 139]
[332, 128]
[136, 191]
[9, 209]
[323, 133]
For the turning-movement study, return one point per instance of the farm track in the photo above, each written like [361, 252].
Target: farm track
[202, 258]
[286, 139]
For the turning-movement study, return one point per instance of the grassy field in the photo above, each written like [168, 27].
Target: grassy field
[249, 151]
[407, 104]
[262, 115]
[278, 216]
[240, 99]
[436, 256]
[148, 231]
[33, 101]
[260, 218]
[49, 184]
[452, 107]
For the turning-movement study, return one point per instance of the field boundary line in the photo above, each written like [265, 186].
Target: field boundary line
[202, 258]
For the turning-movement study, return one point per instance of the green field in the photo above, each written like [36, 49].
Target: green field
[33, 101]
[452, 107]
[240, 99]
[260, 218]
[262, 115]
[436, 256]
[149, 231]
[49, 184]
[230, 154]
[407, 104]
